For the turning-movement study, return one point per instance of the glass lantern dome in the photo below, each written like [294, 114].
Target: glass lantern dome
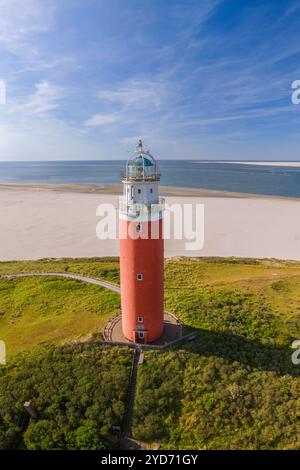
[141, 166]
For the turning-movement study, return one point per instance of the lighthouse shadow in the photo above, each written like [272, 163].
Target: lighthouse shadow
[249, 352]
[172, 332]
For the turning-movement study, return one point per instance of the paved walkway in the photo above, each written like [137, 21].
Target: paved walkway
[173, 330]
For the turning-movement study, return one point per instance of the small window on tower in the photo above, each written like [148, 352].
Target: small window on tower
[139, 277]
[139, 191]
[140, 319]
[151, 190]
[138, 227]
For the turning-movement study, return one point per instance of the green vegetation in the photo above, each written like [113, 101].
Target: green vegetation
[234, 387]
[38, 309]
[103, 268]
[187, 400]
[259, 300]
[78, 391]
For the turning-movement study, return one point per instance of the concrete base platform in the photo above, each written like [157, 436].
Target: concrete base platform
[173, 330]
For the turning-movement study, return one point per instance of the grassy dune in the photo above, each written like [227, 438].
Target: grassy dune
[48, 309]
[106, 268]
[234, 387]
[256, 299]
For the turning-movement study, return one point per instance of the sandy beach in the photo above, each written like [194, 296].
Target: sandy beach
[288, 164]
[60, 221]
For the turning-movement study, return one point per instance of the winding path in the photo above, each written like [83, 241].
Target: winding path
[127, 425]
[77, 277]
[113, 287]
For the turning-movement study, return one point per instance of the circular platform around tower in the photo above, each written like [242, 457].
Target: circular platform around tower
[173, 330]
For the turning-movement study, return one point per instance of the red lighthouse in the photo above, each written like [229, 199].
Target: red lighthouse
[141, 249]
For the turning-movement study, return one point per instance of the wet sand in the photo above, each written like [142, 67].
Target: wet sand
[117, 189]
[288, 164]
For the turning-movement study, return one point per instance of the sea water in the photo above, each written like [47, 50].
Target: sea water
[218, 175]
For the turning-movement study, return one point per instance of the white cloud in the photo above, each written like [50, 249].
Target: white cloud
[45, 98]
[259, 113]
[20, 19]
[101, 120]
[137, 93]
[200, 86]
[138, 102]
[49, 139]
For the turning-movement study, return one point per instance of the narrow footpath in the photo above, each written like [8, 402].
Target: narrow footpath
[127, 425]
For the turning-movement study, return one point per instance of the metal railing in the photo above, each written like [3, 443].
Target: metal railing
[139, 176]
[136, 209]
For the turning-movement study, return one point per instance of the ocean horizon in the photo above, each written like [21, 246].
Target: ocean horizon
[215, 175]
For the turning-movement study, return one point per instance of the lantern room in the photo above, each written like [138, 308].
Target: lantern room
[141, 166]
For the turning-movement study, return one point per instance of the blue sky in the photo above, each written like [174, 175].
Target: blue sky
[207, 79]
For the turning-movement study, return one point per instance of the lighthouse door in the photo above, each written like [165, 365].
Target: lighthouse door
[140, 337]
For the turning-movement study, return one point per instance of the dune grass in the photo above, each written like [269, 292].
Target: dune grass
[35, 310]
[234, 387]
[103, 268]
[258, 299]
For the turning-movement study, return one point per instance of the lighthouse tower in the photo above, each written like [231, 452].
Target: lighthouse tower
[141, 249]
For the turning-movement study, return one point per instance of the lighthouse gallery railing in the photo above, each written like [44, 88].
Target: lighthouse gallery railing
[136, 209]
